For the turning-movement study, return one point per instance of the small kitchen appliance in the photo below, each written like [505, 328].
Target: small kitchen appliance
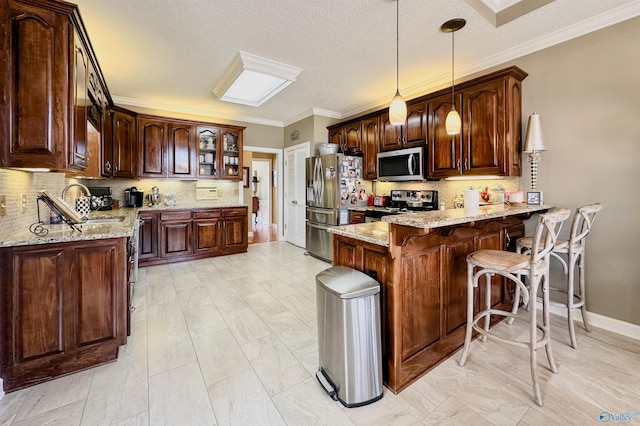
[133, 197]
[101, 198]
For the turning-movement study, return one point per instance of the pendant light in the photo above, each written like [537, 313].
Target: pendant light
[398, 107]
[453, 123]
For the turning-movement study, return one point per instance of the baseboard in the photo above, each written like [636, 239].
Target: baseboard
[607, 323]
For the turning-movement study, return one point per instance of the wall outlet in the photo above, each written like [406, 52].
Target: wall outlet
[3, 205]
[23, 205]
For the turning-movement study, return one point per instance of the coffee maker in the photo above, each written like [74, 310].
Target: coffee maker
[133, 197]
[101, 198]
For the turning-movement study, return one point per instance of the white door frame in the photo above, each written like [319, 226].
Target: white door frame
[268, 179]
[279, 166]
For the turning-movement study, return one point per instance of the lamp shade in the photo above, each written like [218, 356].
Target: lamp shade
[397, 110]
[534, 140]
[453, 123]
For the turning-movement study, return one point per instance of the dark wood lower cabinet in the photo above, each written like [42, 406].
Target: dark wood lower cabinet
[235, 235]
[423, 276]
[63, 308]
[179, 235]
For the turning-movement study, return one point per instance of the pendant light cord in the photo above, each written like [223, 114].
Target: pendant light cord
[397, 46]
[453, 54]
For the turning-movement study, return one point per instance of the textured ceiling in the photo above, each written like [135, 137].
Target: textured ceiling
[169, 54]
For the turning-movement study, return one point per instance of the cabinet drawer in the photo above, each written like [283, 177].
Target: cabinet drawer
[176, 215]
[207, 214]
[239, 211]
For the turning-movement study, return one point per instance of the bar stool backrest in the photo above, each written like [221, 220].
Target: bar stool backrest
[545, 235]
[582, 223]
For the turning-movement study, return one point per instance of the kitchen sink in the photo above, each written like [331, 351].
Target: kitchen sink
[104, 219]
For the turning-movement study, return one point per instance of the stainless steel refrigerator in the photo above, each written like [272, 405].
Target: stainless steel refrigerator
[334, 184]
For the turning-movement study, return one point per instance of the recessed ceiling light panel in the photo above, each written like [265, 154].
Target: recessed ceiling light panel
[252, 80]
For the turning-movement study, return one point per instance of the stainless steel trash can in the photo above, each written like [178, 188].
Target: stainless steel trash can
[349, 342]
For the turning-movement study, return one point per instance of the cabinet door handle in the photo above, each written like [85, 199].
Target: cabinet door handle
[466, 164]
[458, 164]
[115, 168]
[107, 167]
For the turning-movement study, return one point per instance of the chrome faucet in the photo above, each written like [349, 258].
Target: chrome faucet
[64, 191]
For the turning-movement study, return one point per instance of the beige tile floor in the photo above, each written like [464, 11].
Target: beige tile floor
[232, 341]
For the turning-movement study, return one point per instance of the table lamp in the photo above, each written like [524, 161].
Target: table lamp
[534, 144]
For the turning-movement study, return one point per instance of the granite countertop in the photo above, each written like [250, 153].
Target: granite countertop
[441, 218]
[372, 232]
[378, 232]
[61, 233]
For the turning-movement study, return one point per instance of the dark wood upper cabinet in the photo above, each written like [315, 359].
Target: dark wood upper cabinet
[415, 129]
[182, 151]
[79, 153]
[348, 137]
[445, 151]
[370, 146]
[413, 133]
[490, 142]
[124, 144]
[484, 129]
[34, 112]
[390, 135]
[47, 60]
[152, 147]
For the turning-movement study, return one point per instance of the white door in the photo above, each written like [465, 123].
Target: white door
[261, 168]
[295, 193]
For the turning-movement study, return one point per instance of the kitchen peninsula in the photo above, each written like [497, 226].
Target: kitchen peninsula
[420, 261]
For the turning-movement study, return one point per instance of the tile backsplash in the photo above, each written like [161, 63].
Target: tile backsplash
[447, 190]
[15, 183]
[228, 191]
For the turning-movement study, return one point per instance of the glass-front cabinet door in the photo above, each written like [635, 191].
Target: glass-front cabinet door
[208, 138]
[231, 153]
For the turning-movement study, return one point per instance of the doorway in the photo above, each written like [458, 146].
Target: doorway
[271, 227]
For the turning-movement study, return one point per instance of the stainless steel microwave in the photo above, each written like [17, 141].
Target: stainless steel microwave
[401, 165]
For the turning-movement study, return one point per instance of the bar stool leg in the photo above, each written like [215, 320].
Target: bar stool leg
[469, 330]
[533, 334]
[581, 283]
[546, 322]
[571, 264]
[487, 302]
[516, 295]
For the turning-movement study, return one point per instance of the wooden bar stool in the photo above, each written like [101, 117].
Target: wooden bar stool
[513, 266]
[574, 249]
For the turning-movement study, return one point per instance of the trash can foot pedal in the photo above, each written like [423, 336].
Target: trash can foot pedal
[326, 385]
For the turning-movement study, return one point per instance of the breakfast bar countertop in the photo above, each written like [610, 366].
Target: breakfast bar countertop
[372, 232]
[449, 217]
[378, 232]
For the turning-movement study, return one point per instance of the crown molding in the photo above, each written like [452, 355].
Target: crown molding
[612, 17]
[604, 20]
[123, 101]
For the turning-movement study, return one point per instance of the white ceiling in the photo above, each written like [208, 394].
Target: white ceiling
[169, 54]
